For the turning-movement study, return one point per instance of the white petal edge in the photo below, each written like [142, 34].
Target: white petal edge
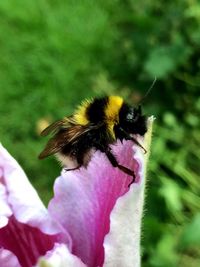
[8, 259]
[5, 210]
[122, 243]
[60, 256]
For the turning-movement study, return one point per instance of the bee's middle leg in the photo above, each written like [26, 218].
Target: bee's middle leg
[79, 159]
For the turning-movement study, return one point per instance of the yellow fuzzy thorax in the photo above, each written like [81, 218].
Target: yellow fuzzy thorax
[80, 113]
[111, 111]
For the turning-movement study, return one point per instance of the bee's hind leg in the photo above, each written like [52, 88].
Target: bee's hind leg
[79, 162]
[73, 169]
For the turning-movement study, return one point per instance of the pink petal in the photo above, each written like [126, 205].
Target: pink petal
[20, 197]
[84, 199]
[26, 228]
[60, 256]
[8, 259]
[27, 243]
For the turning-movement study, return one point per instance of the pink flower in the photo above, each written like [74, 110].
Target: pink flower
[93, 220]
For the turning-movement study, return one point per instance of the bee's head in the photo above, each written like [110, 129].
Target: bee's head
[132, 120]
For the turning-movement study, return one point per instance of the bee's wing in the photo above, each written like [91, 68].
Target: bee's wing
[52, 147]
[57, 125]
[64, 137]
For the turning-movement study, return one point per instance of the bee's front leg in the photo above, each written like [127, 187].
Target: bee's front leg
[129, 137]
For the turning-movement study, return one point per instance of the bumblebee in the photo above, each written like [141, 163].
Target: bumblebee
[95, 125]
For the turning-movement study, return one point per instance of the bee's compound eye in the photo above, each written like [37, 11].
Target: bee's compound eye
[130, 116]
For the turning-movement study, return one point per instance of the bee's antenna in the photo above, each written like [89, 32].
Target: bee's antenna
[148, 91]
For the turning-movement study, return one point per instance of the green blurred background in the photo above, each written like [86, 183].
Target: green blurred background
[54, 53]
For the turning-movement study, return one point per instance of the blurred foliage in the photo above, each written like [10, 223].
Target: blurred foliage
[55, 53]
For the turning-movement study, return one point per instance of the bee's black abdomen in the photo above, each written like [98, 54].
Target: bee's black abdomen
[96, 110]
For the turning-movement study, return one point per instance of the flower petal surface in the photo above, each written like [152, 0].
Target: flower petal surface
[5, 209]
[26, 228]
[8, 259]
[20, 198]
[60, 256]
[27, 243]
[84, 199]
